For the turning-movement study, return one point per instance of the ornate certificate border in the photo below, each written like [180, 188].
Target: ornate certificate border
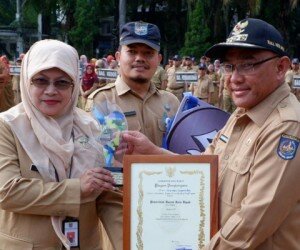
[141, 174]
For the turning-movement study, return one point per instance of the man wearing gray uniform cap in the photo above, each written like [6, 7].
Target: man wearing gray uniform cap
[258, 148]
[145, 107]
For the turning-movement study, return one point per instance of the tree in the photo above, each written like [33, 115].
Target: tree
[7, 12]
[83, 33]
[281, 14]
[198, 33]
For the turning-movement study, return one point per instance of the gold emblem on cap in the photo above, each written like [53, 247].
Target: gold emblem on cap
[239, 28]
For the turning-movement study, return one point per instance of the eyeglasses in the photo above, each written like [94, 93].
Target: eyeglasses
[43, 83]
[243, 68]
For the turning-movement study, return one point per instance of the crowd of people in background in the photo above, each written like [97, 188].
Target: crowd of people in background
[211, 86]
[257, 148]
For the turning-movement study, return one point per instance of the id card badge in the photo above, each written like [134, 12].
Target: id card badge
[70, 228]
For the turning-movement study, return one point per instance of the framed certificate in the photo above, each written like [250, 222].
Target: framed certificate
[170, 202]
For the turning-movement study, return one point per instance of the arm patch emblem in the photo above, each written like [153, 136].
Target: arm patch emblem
[287, 147]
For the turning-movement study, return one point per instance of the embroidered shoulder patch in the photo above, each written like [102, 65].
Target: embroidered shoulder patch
[288, 146]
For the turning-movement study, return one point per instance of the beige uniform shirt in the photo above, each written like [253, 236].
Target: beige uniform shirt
[27, 202]
[6, 92]
[159, 77]
[172, 84]
[289, 79]
[176, 88]
[146, 115]
[290, 75]
[259, 171]
[203, 88]
[215, 78]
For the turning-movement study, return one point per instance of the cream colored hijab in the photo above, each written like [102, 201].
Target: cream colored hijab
[54, 144]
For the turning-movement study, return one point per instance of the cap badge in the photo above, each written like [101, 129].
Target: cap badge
[239, 28]
[141, 29]
[236, 35]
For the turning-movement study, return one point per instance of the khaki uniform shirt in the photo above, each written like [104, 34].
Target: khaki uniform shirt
[172, 84]
[27, 204]
[215, 78]
[290, 75]
[6, 92]
[289, 79]
[259, 171]
[7, 97]
[145, 115]
[159, 77]
[203, 88]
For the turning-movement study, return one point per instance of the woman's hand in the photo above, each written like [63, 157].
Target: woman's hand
[96, 180]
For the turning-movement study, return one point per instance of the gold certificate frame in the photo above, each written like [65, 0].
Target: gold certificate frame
[170, 202]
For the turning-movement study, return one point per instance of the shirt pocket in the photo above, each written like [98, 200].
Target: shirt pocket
[235, 182]
[133, 124]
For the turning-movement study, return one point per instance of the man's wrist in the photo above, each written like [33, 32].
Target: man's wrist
[163, 151]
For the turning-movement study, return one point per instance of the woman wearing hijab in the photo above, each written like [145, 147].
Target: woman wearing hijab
[89, 83]
[53, 190]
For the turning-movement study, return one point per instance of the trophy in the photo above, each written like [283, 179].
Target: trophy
[112, 123]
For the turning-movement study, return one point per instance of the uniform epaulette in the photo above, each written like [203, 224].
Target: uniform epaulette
[107, 86]
[287, 111]
[90, 99]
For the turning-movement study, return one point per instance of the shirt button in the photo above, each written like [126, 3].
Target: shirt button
[238, 128]
[226, 157]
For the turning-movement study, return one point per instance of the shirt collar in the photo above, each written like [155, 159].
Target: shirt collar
[122, 88]
[261, 111]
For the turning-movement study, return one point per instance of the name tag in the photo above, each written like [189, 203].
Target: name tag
[224, 138]
[130, 113]
[70, 228]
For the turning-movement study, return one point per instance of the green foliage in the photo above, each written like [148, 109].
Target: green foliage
[7, 13]
[30, 15]
[188, 26]
[198, 33]
[84, 31]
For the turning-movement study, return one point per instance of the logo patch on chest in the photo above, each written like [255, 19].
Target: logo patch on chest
[288, 146]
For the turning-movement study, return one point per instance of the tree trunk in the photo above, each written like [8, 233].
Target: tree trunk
[122, 14]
